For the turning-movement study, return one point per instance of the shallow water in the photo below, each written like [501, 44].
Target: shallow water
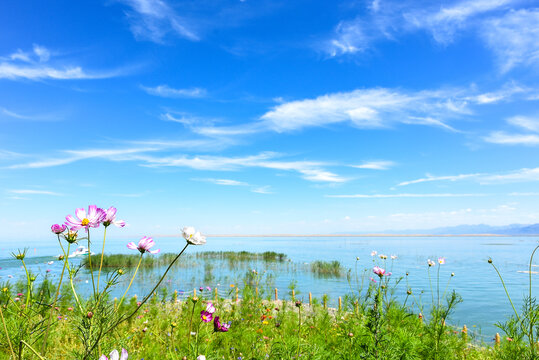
[484, 300]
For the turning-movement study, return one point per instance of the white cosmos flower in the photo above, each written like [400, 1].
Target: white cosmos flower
[197, 239]
[201, 357]
[115, 356]
[188, 232]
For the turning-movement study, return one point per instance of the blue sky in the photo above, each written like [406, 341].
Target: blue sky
[269, 116]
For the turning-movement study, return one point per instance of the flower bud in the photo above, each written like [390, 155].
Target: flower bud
[489, 260]
[120, 271]
[89, 315]
[58, 229]
[298, 303]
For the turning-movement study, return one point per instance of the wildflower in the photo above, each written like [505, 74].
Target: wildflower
[298, 303]
[90, 315]
[20, 294]
[192, 236]
[58, 229]
[232, 285]
[69, 309]
[206, 316]
[110, 218]
[378, 271]
[201, 289]
[93, 218]
[441, 260]
[373, 280]
[373, 253]
[120, 271]
[208, 288]
[70, 236]
[20, 255]
[383, 257]
[17, 299]
[430, 262]
[350, 334]
[393, 257]
[218, 327]
[115, 356]
[201, 357]
[60, 257]
[144, 245]
[210, 308]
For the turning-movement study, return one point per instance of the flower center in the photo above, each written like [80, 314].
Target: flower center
[85, 222]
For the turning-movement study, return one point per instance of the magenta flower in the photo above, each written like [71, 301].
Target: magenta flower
[93, 218]
[58, 229]
[206, 316]
[378, 271]
[218, 327]
[110, 218]
[115, 356]
[144, 245]
[210, 308]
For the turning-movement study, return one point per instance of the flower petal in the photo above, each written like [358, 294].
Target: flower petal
[154, 251]
[114, 355]
[124, 354]
[81, 213]
[71, 221]
[103, 357]
[119, 223]
[132, 246]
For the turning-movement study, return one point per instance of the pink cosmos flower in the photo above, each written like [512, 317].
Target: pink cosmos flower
[58, 229]
[93, 218]
[373, 253]
[441, 260]
[378, 271]
[206, 316]
[218, 327]
[110, 218]
[144, 245]
[210, 308]
[115, 356]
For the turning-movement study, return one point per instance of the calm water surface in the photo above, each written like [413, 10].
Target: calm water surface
[484, 300]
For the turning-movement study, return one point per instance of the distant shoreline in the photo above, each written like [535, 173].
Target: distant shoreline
[354, 235]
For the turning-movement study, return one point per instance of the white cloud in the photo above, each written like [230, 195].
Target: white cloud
[34, 67]
[525, 122]
[226, 182]
[262, 190]
[513, 38]
[446, 21]
[387, 196]
[166, 91]
[520, 175]
[154, 19]
[376, 165]
[500, 137]
[369, 108]
[33, 192]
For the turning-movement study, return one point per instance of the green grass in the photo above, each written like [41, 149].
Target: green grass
[128, 261]
[327, 268]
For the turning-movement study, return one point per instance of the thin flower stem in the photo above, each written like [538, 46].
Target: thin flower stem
[198, 331]
[66, 257]
[7, 334]
[506, 292]
[299, 330]
[438, 284]
[446, 286]
[28, 284]
[190, 326]
[121, 320]
[44, 346]
[90, 262]
[532, 341]
[32, 349]
[102, 253]
[131, 282]
[430, 285]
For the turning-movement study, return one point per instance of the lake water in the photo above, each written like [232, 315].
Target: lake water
[484, 300]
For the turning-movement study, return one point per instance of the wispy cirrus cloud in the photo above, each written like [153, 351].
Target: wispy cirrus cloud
[33, 192]
[369, 108]
[224, 182]
[376, 165]
[520, 175]
[166, 91]
[35, 66]
[406, 195]
[513, 38]
[153, 20]
[507, 27]
[529, 124]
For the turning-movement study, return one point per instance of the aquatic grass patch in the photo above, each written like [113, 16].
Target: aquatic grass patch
[327, 268]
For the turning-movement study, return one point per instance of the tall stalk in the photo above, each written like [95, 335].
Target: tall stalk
[44, 346]
[131, 282]
[90, 262]
[102, 253]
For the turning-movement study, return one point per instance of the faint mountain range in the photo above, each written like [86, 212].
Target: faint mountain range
[513, 229]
